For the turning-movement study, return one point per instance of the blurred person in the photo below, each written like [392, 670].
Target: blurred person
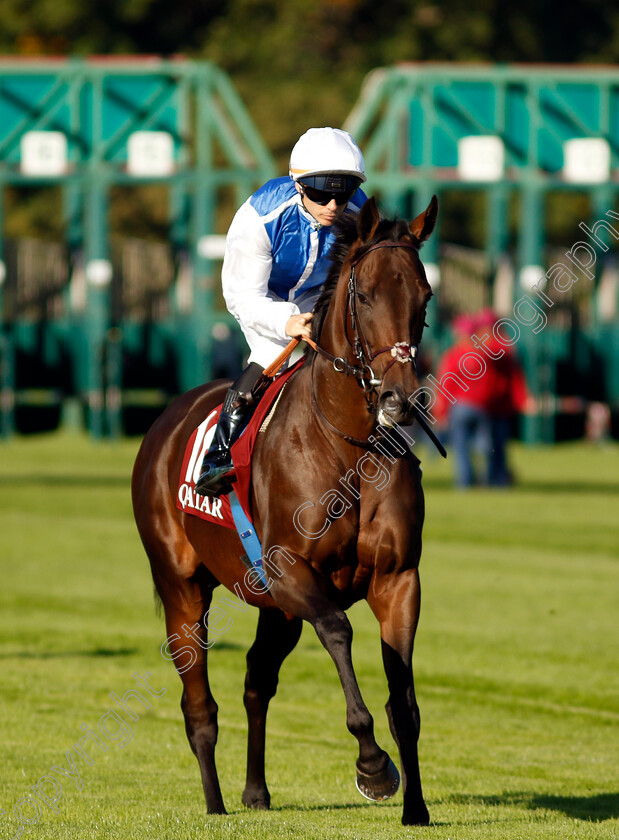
[462, 403]
[275, 264]
[598, 421]
[507, 396]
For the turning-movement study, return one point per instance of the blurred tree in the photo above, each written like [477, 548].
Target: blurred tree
[298, 63]
[302, 62]
[44, 27]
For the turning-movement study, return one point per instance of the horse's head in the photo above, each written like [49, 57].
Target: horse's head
[387, 295]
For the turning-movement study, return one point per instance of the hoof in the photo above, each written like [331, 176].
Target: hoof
[257, 801]
[420, 818]
[258, 805]
[380, 786]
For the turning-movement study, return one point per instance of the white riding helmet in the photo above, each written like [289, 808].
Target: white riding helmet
[325, 151]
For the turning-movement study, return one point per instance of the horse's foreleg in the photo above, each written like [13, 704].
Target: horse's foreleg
[397, 609]
[276, 636]
[186, 604]
[298, 594]
[377, 777]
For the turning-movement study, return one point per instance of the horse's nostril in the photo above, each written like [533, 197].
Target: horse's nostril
[389, 401]
[395, 405]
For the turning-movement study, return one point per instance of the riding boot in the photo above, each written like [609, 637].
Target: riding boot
[235, 413]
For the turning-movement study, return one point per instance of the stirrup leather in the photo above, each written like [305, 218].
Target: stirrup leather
[217, 463]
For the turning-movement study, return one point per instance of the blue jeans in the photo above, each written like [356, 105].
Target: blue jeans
[499, 474]
[469, 432]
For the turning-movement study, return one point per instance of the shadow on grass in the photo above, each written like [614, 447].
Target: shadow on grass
[596, 808]
[102, 652]
[336, 806]
[220, 646]
[607, 488]
[67, 654]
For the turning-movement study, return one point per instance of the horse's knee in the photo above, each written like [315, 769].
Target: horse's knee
[333, 628]
[200, 720]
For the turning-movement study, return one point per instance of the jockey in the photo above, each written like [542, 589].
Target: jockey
[275, 264]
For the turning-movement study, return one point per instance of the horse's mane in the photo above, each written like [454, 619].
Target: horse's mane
[346, 234]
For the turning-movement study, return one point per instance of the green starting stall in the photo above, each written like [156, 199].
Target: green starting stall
[515, 134]
[90, 127]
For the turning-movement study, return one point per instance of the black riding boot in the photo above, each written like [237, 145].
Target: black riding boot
[235, 413]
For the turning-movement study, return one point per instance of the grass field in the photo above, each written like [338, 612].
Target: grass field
[516, 666]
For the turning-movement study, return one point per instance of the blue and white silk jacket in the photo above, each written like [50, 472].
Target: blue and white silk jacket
[276, 257]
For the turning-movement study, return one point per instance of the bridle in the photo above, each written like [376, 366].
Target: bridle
[401, 351]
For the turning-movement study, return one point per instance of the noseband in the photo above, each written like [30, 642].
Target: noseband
[401, 351]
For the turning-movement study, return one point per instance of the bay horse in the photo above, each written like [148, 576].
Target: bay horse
[327, 549]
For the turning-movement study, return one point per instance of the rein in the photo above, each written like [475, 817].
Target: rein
[364, 444]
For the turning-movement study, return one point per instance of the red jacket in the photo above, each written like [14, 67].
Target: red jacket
[501, 389]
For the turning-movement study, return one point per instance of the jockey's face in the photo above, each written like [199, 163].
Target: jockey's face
[325, 214]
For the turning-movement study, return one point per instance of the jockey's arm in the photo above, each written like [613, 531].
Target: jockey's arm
[245, 277]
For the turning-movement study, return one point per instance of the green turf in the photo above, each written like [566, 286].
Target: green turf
[516, 665]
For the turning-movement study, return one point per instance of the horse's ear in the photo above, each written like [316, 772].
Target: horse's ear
[423, 225]
[368, 220]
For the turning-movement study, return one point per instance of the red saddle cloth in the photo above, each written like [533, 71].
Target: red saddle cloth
[218, 510]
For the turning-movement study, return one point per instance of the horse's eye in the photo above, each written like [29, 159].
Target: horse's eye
[362, 298]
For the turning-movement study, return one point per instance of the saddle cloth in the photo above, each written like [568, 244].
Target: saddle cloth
[219, 510]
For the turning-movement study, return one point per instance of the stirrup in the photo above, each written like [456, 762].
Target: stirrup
[212, 481]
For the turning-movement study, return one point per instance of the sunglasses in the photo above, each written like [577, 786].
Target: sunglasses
[323, 197]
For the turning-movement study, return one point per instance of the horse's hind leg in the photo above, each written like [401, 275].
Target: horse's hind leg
[186, 602]
[276, 636]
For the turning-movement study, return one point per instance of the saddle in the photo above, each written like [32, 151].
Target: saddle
[219, 510]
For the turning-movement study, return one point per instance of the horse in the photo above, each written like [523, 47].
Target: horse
[327, 548]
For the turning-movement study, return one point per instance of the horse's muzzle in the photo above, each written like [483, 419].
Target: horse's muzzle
[394, 407]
